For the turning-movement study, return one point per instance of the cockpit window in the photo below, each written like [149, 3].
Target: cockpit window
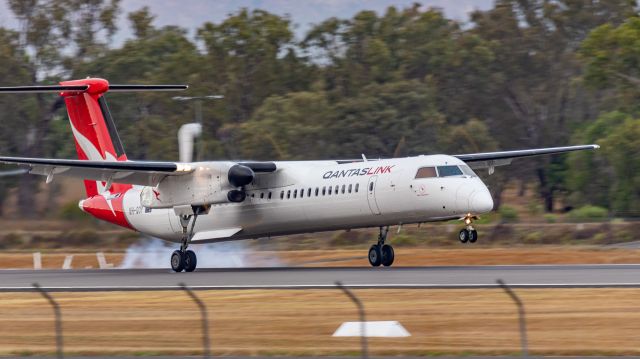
[468, 171]
[426, 172]
[448, 171]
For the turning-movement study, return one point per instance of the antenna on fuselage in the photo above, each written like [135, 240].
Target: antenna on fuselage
[364, 158]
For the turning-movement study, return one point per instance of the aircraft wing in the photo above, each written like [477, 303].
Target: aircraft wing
[492, 159]
[144, 173]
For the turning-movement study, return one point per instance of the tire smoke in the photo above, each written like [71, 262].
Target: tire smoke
[155, 253]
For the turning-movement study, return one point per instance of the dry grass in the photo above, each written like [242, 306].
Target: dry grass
[571, 321]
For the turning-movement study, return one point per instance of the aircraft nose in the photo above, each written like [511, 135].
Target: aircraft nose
[482, 202]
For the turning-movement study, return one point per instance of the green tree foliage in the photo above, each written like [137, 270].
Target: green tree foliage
[294, 126]
[251, 56]
[53, 36]
[537, 95]
[612, 61]
[611, 177]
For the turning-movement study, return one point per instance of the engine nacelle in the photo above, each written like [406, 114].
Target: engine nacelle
[206, 185]
[240, 176]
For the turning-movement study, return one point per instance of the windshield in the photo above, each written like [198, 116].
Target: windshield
[448, 171]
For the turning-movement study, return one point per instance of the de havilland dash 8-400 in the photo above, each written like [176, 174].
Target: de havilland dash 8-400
[213, 201]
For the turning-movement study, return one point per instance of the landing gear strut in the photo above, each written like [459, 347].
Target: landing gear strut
[380, 253]
[184, 259]
[468, 234]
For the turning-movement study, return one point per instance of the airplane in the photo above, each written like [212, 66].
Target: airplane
[214, 201]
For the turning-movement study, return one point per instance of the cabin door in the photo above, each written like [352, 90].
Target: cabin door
[371, 195]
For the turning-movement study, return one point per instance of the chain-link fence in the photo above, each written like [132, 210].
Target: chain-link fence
[577, 321]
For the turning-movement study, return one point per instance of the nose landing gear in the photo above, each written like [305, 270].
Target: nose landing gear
[468, 234]
[381, 253]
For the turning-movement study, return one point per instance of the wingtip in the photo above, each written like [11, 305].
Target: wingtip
[596, 146]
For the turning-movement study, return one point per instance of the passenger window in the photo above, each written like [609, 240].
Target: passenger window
[309, 192]
[282, 195]
[426, 172]
[269, 195]
[302, 193]
[317, 190]
[288, 194]
[448, 171]
[350, 187]
[357, 187]
[295, 193]
[324, 190]
[329, 192]
[370, 186]
[344, 188]
[337, 189]
[261, 195]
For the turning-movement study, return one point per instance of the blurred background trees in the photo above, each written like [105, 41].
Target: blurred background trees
[526, 73]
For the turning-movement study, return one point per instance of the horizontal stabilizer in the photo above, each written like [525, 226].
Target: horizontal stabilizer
[43, 89]
[141, 88]
[84, 88]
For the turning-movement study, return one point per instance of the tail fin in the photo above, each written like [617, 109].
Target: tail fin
[93, 129]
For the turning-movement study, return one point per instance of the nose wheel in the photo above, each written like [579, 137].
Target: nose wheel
[468, 234]
[381, 253]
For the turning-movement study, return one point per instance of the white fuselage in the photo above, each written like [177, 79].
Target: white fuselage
[313, 196]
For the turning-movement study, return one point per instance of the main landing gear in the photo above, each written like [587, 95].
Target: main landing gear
[381, 253]
[184, 259]
[468, 234]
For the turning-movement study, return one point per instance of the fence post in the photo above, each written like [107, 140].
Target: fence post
[363, 323]
[58, 318]
[205, 323]
[521, 315]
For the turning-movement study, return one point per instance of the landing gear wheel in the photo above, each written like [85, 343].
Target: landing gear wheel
[463, 236]
[473, 236]
[387, 255]
[177, 261]
[190, 261]
[375, 255]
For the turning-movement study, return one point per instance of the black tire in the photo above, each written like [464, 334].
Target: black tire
[473, 236]
[177, 261]
[387, 255]
[375, 256]
[463, 236]
[190, 261]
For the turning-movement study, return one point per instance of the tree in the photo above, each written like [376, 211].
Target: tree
[612, 62]
[245, 60]
[288, 127]
[148, 122]
[54, 36]
[535, 43]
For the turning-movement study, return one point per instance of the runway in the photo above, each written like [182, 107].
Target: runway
[453, 277]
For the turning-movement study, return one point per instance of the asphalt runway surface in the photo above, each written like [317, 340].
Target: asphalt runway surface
[524, 276]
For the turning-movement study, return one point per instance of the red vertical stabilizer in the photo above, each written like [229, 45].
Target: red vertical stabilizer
[96, 139]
